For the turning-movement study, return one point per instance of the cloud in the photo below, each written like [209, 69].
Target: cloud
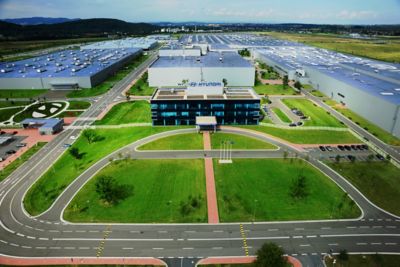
[356, 15]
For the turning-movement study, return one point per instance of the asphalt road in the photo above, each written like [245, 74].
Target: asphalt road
[49, 236]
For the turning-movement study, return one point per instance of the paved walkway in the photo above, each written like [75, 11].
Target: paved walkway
[212, 205]
[241, 260]
[4, 260]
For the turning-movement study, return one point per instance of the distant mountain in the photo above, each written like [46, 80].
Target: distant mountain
[74, 29]
[38, 20]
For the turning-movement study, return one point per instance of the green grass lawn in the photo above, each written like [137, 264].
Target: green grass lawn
[35, 108]
[239, 141]
[188, 141]
[367, 125]
[70, 113]
[78, 104]
[160, 186]
[378, 181]
[21, 93]
[270, 75]
[305, 136]
[5, 114]
[375, 260]
[42, 194]
[281, 115]
[317, 116]
[110, 81]
[22, 159]
[128, 112]
[141, 87]
[10, 104]
[258, 189]
[273, 89]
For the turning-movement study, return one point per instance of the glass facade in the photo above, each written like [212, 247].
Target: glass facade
[184, 112]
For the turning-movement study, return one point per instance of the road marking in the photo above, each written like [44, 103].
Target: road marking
[391, 244]
[298, 229]
[304, 245]
[350, 227]
[297, 236]
[391, 227]
[217, 248]
[311, 236]
[377, 226]
[271, 230]
[376, 244]
[244, 239]
[69, 247]
[54, 247]
[14, 245]
[333, 244]
[190, 231]
[84, 247]
[26, 247]
[94, 231]
[30, 237]
[187, 248]
[218, 231]
[163, 232]
[127, 248]
[43, 238]
[158, 248]
[18, 234]
[40, 247]
[361, 244]
[325, 228]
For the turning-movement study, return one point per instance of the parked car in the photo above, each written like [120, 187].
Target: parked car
[21, 145]
[2, 159]
[380, 157]
[293, 124]
[299, 123]
[364, 147]
[329, 148]
[2, 132]
[322, 148]
[67, 145]
[14, 133]
[351, 157]
[10, 152]
[73, 137]
[348, 148]
[359, 147]
[303, 117]
[341, 148]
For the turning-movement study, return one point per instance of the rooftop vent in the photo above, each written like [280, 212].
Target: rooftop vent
[387, 93]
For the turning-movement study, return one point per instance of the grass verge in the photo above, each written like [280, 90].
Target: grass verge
[305, 136]
[78, 104]
[21, 93]
[378, 181]
[274, 89]
[317, 115]
[281, 115]
[67, 168]
[375, 260]
[141, 87]
[128, 112]
[21, 160]
[188, 141]
[259, 190]
[239, 141]
[161, 189]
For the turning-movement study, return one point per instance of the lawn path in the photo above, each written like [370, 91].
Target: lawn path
[212, 206]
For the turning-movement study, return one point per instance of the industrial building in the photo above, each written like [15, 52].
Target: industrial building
[370, 88]
[214, 66]
[181, 106]
[144, 43]
[68, 69]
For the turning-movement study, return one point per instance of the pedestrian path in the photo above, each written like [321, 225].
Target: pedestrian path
[212, 205]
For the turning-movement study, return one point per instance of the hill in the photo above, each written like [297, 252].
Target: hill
[38, 20]
[74, 29]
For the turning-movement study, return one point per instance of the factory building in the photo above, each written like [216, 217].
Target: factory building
[144, 43]
[214, 66]
[68, 69]
[370, 88]
[182, 106]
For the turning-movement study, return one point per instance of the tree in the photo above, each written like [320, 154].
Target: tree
[128, 96]
[110, 191]
[285, 154]
[91, 136]
[285, 81]
[298, 85]
[337, 158]
[298, 189]
[270, 255]
[74, 151]
[225, 82]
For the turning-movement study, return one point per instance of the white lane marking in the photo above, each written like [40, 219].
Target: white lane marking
[26, 247]
[217, 247]
[298, 229]
[333, 244]
[271, 230]
[54, 247]
[187, 248]
[163, 232]
[40, 247]
[391, 244]
[190, 231]
[136, 232]
[43, 238]
[361, 244]
[127, 248]
[69, 247]
[304, 245]
[14, 245]
[84, 247]
[311, 236]
[158, 248]
[297, 236]
[30, 237]
[218, 231]
[114, 239]
[350, 227]
[376, 244]
[19, 234]
[391, 227]
[325, 228]
[93, 231]
[67, 231]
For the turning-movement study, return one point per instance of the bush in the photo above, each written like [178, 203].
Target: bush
[270, 255]
[110, 191]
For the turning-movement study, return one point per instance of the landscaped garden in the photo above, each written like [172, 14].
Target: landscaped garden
[238, 141]
[281, 115]
[141, 87]
[187, 141]
[127, 112]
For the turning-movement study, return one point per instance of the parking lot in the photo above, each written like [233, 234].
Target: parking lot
[344, 153]
[10, 146]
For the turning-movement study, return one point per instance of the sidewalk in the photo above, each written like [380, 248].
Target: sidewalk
[212, 205]
[241, 260]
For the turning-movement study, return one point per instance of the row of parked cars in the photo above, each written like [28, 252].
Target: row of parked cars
[300, 114]
[345, 148]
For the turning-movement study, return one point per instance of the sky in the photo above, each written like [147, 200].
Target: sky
[264, 11]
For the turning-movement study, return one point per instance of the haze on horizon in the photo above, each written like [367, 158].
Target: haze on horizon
[252, 11]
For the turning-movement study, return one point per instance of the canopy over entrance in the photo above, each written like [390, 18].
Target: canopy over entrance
[206, 123]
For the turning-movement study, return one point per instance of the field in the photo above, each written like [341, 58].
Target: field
[317, 116]
[5, 114]
[110, 81]
[21, 160]
[274, 89]
[378, 181]
[258, 190]
[159, 189]
[42, 194]
[141, 87]
[189, 141]
[14, 47]
[386, 49]
[375, 260]
[305, 136]
[128, 112]
[281, 115]
[239, 141]
[21, 93]
[10, 104]
[369, 126]
[78, 105]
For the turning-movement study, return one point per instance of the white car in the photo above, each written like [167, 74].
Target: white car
[73, 137]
